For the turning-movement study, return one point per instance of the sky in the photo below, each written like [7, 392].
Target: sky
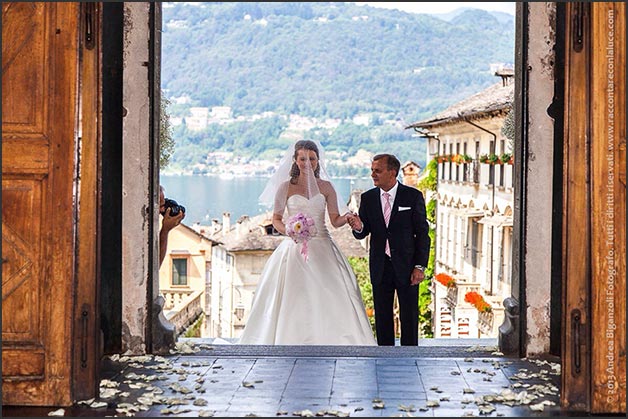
[444, 7]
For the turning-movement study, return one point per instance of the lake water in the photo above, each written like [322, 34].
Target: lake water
[207, 197]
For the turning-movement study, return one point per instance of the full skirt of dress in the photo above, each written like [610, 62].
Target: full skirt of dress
[308, 302]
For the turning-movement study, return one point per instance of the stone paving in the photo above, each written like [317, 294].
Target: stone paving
[202, 379]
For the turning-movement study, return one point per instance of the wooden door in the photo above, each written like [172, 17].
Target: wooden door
[48, 314]
[594, 224]
[608, 207]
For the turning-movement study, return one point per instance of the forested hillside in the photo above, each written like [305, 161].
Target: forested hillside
[322, 60]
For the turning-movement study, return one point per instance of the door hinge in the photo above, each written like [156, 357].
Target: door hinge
[90, 17]
[84, 330]
[578, 341]
[577, 26]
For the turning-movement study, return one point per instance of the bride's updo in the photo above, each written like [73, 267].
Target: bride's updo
[303, 145]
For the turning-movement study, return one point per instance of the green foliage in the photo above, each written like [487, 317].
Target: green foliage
[429, 181]
[285, 57]
[430, 209]
[508, 129]
[425, 313]
[194, 331]
[425, 295]
[429, 269]
[166, 143]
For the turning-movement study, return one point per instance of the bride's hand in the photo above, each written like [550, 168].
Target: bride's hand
[353, 220]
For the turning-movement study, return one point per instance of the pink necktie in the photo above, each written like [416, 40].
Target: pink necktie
[387, 211]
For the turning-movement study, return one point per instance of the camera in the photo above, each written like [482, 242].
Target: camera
[175, 208]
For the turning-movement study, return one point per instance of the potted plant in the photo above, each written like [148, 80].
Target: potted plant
[477, 301]
[493, 159]
[445, 279]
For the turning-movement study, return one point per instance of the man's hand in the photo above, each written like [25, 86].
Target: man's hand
[417, 276]
[354, 221]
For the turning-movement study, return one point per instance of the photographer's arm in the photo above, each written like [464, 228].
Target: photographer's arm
[168, 223]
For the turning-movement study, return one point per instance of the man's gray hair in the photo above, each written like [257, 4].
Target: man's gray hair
[392, 162]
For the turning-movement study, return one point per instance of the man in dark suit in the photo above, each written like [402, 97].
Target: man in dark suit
[394, 215]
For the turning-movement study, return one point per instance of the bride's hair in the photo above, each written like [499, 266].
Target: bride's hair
[303, 145]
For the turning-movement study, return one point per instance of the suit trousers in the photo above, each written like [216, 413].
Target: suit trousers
[383, 301]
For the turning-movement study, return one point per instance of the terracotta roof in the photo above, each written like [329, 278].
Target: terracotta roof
[494, 100]
[252, 235]
[410, 163]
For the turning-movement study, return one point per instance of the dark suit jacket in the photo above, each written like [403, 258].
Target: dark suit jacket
[407, 232]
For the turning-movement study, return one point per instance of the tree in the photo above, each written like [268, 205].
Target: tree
[166, 143]
[508, 129]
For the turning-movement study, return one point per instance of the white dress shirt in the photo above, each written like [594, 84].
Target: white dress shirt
[392, 192]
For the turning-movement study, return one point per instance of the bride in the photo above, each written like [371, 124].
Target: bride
[307, 293]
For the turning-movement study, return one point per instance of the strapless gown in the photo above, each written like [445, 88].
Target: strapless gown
[313, 302]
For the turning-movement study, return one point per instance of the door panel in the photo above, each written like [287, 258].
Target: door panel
[39, 101]
[576, 226]
[23, 61]
[21, 247]
[608, 245]
[594, 224]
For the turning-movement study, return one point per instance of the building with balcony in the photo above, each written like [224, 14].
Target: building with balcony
[238, 261]
[184, 276]
[474, 212]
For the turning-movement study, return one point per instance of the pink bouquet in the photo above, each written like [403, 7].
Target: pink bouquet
[301, 228]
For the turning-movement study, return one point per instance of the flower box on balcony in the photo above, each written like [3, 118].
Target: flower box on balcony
[490, 159]
[457, 291]
[506, 158]
[464, 158]
[476, 300]
[445, 280]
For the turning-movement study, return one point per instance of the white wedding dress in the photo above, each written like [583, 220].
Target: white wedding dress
[313, 302]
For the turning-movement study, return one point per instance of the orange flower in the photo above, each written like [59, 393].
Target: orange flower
[445, 279]
[477, 301]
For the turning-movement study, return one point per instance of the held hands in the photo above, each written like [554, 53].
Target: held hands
[354, 221]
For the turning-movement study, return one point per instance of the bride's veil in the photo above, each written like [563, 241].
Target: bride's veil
[275, 193]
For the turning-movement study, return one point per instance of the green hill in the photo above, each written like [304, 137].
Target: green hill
[324, 61]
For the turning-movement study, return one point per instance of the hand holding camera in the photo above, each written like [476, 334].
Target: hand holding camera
[175, 208]
[172, 212]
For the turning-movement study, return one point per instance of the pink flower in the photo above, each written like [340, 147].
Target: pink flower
[301, 228]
